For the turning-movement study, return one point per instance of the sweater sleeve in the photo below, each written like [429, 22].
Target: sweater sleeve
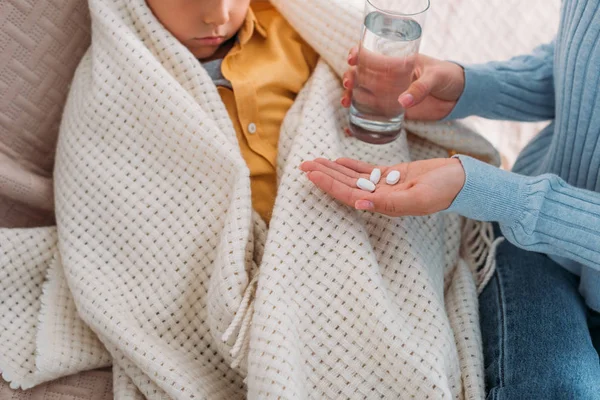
[520, 89]
[542, 214]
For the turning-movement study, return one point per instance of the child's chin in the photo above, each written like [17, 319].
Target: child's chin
[205, 52]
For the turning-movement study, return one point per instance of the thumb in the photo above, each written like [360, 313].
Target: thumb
[394, 204]
[417, 91]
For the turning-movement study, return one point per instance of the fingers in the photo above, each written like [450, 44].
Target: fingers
[342, 169]
[336, 180]
[396, 204]
[425, 186]
[418, 91]
[336, 189]
[349, 77]
[392, 204]
[325, 167]
[355, 165]
[346, 100]
[348, 81]
[353, 56]
[366, 205]
[347, 166]
[366, 168]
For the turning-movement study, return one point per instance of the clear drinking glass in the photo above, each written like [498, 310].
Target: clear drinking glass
[389, 44]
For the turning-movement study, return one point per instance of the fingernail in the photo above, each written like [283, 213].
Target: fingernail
[345, 102]
[364, 205]
[345, 83]
[349, 56]
[406, 100]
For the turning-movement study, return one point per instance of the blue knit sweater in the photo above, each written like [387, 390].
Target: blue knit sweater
[550, 203]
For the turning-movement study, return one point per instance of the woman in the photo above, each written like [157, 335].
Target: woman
[539, 313]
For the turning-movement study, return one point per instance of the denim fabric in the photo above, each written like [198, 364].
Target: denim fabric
[538, 334]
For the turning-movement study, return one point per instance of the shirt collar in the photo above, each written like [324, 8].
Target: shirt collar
[251, 24]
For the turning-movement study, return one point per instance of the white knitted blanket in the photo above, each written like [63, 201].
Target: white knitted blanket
[159, 267]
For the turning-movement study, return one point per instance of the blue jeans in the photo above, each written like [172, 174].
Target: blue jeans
[540, 341]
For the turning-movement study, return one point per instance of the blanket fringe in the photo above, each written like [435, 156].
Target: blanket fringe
[479, 250]
[242, 321]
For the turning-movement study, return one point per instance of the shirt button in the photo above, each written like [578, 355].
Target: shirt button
[252, 128]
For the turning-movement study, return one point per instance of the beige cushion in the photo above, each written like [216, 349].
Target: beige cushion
[89, 385]
[41, 43]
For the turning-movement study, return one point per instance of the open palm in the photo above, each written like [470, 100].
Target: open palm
[425, 186]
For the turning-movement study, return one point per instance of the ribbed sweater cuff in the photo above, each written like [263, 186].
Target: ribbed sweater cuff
[489, 193]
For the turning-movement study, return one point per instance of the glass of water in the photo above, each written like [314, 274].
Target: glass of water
[388, 48]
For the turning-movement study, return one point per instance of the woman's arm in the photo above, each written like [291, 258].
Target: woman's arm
[520, 89]
[542, 214]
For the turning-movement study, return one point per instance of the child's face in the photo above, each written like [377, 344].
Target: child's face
[201, 25]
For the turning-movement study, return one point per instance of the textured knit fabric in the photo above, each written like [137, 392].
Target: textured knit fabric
[556, 210]
[158, 265]
[266, 68]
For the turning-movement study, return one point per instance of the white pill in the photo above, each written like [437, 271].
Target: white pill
[393, 177]
[365, 184]
[375, 176]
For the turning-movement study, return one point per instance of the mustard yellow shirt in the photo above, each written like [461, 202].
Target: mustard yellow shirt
[267, 68]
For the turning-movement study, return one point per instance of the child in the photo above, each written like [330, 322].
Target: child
[259, 64]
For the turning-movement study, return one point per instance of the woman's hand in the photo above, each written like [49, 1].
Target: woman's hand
[433, 94]
[425, 187]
